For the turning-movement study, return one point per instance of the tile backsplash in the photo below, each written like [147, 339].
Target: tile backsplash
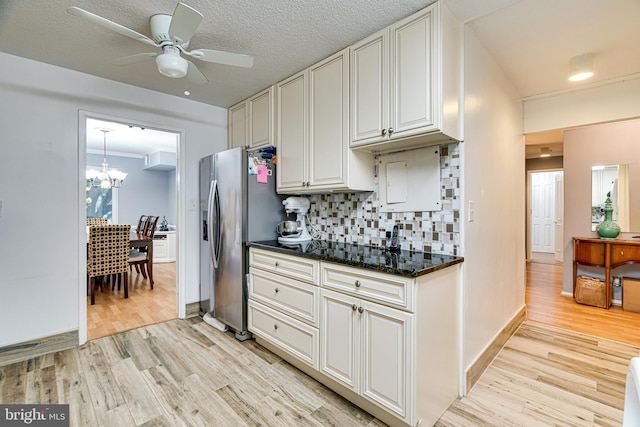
[355, 217]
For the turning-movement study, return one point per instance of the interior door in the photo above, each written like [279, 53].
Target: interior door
[559, 221]
[543, 211]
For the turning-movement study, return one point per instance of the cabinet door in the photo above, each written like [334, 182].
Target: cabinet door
[237, 126]
[387, 346]
[340, 339]
[160, 250]
[412, 82]
[291, 142]
[369, 89]
[261, 119]
[329, 121]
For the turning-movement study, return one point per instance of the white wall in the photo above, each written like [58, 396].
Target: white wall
[493, 178]
[40, 227]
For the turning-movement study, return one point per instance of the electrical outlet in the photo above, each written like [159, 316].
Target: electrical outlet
[616, 281]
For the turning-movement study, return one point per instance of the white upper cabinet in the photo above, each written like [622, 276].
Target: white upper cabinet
[291, 131]
[313, 132]
[251, 122]
[401, 80]
[261, 120]
[237, 126]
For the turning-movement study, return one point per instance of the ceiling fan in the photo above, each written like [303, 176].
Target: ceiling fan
[171, 33]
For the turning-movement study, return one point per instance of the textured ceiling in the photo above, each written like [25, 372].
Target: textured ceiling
[532, 40]
[283, 37]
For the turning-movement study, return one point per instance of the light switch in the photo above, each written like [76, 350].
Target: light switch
[471, 212]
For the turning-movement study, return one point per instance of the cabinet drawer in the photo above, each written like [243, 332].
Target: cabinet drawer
[295, 267]
[621, 254]
[591, 253]
[290, 296]
[295, 337]
[388, 289]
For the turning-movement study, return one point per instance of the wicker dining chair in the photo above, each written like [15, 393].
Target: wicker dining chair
[96, 221]
[108, 253]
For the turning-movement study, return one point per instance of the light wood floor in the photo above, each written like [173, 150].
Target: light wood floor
[545, 304]
[184, 372]
[112, 313]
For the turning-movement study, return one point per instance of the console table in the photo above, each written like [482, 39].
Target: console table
[605, 254]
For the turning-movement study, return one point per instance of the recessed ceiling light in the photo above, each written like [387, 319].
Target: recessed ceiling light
[581, 67]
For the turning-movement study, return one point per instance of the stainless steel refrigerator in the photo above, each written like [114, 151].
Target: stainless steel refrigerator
[236, 207]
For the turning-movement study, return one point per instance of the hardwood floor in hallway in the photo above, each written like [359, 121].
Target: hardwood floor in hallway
[545, 304]
[112, 313]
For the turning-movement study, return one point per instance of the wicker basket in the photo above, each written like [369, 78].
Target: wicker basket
[591, 291]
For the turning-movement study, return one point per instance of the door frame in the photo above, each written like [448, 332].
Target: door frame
[180, 206]
[529, 208]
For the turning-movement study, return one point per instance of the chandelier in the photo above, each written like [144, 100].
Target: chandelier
[105, 178]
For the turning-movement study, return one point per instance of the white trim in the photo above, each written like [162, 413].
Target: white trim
[82, 241]
[82, 231]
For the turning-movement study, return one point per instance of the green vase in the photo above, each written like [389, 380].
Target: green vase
[608, 229]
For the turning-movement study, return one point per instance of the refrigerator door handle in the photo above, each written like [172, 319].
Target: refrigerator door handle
[214, 226]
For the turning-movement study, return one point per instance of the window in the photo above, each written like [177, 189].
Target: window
[102, 203]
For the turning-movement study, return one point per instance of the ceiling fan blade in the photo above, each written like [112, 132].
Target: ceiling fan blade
[194, 75]
[184, 22]
[220, 57]
[110, 25]
[132, 59]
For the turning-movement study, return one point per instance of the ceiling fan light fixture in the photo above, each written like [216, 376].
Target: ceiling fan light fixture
[581, 67]
[172, 65]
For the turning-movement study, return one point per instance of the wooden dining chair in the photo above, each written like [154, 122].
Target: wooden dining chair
[142, 222]
[140, 259]
[96, 221]
[107, 254]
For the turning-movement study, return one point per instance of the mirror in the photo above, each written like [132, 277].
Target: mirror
[622, 184]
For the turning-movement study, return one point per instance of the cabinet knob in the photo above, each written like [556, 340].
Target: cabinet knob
[275, 326]
[360, 310]
[621, 252]
[390, 131]
[358, 283]
[277, 290]
[354, 307]
[384, 132]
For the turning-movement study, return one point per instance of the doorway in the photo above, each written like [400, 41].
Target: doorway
[148, 154]
[545, 216]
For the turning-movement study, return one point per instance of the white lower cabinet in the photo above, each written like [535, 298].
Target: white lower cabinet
[295, 337]
[387, 343]
[366, 347]
[284, 303]
[164, 246]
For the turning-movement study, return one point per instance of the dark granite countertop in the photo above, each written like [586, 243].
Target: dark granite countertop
[403, 263]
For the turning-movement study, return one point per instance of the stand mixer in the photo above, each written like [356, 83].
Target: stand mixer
[299, 205]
